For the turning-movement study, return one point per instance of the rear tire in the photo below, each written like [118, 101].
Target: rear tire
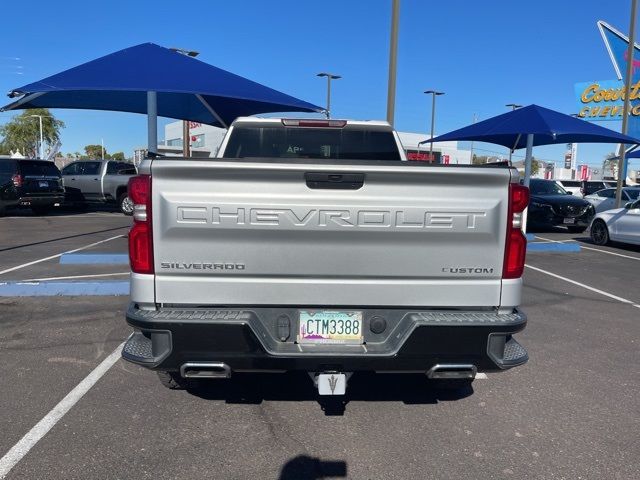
[41, 210]
[576, 229]
[125, 204]
[599, 232]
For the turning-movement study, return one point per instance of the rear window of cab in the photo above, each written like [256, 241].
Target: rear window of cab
[39, 169]
[318, 143]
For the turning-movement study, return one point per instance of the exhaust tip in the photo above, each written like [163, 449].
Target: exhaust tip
[205, 370]
[452, 371]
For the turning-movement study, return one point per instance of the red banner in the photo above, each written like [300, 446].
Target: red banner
[585, 172]
[419, 156]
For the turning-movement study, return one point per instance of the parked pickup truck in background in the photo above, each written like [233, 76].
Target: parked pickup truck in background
[311, 245]
[99, 181]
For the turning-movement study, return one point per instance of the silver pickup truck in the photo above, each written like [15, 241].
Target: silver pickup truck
[312, 245]
[99, 181]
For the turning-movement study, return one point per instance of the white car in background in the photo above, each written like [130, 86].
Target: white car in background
[605, 199]
[618, 225]
[572, 186]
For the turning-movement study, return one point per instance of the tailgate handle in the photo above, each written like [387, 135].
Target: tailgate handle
[336, 181]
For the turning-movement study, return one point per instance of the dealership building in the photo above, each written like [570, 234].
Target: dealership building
[205, 140]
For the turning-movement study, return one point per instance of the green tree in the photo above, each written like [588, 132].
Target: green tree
[535, 166]
[610, 164]
[94, 151]
[22, 132]
[118, 156]
[479, 159]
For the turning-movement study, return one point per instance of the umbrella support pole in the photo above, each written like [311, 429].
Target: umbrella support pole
[212, 111]
[152, 122]
[25, 99]
[513, 148]
[527, 175]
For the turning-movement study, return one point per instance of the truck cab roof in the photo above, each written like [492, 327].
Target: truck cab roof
[311, 121]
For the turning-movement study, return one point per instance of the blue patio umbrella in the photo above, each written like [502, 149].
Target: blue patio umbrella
[633, 154]
[531, 126]
[547, 127]
[151, 79]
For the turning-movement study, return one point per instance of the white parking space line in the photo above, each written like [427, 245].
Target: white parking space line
[481, 376]
[591, 248]
[554, 241]
[587, 287]
[72, 277]
[58, 255]
[33, 436]
[611, 253]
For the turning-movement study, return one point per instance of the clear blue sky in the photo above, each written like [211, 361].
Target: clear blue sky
[483, 54]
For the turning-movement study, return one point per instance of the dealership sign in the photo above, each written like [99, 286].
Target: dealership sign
[604, 100]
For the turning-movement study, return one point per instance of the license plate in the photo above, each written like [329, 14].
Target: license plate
[43, 184]
[569, 221]
[330, 326]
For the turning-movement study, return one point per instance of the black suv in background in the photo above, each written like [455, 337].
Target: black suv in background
[550, 205]
[35, 184]
[592, 186]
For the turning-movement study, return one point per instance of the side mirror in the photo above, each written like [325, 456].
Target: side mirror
[628, 205]
[569, 193]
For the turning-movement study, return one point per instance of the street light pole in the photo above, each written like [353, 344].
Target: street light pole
[475, 119]
[330, 76]
[41, 138]
[622, 171]
[393, 54]
[513, 107]
[433, 94]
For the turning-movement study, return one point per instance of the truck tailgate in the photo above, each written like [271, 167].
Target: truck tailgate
[250, 232]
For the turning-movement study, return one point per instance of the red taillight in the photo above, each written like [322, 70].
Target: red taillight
[141, 248]
[516, 242]
[519, 198]
[17, 180]
[141, 234]
[139, 189]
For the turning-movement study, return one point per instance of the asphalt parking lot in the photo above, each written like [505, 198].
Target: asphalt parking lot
[572, 412]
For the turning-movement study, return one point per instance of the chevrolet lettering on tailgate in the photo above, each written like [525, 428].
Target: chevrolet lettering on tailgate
[232, 216]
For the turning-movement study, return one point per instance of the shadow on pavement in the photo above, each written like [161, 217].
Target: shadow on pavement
[410, 389]
[304, 467]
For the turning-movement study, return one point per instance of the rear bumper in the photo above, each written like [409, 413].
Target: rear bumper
[41, 199]
[252, 340]
[546, 217]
